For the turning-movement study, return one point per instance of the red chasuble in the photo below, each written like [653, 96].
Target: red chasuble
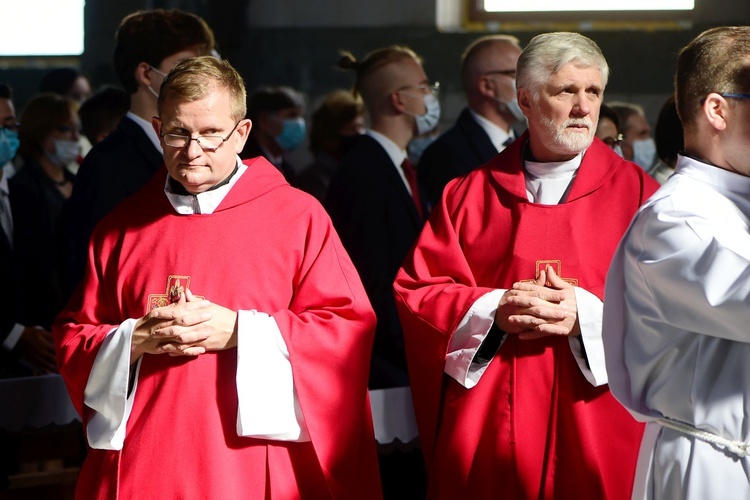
[267, 247]
[533, 427]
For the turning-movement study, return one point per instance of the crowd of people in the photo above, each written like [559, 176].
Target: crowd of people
[560, 291]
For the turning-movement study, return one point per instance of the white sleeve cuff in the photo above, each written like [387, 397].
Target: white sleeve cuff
[591, 362]
[468, 338]
[268, 403]
[107, 389]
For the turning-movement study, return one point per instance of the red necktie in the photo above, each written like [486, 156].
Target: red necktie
[411, 177]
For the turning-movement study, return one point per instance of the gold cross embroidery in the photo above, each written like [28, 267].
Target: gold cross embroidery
[176, 286]
[541, 265]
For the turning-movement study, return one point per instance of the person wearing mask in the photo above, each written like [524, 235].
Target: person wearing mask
[233, 370]
[279, 127]
[48, 137]
[75, 85]
[8, 131]
[489, 122]
[637, 144]
[149, 44]
[334, 126]
[501, 300]
[378, 210]
[676, 314]
[25, 348]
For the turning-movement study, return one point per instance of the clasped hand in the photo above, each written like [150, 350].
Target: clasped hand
[189, 327]
[545, 307]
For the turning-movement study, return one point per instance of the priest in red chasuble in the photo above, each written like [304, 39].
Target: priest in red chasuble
[501, 300]
[219, 344]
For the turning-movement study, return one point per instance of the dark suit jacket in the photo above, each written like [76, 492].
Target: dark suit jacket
[457, 151]
[113, 170]
[378, 222]
[10, 301]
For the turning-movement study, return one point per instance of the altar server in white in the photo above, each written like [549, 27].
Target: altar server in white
[677, 300]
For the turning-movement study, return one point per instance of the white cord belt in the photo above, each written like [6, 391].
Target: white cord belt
[739, 448]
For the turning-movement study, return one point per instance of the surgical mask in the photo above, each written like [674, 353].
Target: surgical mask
[292, 134]
[418, 145]
[618, 150]
[65, 152]
[156, 94]
[515, 110]
[8, 145]
[512, 106]
[644, 152]
[428, 121]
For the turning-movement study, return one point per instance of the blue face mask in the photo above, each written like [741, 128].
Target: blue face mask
[292, 133]
[8, 145]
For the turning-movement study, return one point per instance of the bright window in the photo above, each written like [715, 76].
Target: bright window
[42, 28]
[585, 5]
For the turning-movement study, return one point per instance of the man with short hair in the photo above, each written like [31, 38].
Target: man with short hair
[486, 126]
[676, 314]
[218, 345]
[501, 300]
[377, 207]
[149, 44]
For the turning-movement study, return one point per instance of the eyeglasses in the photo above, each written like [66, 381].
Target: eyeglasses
[612, 141]
[730, 95]
[208, 143]
[424, 88]
[507, 72]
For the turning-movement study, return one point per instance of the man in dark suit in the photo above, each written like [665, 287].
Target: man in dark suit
[487, 124]
[377, 209]
[149, 44]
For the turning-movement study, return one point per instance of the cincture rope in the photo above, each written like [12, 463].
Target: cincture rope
[739, 448]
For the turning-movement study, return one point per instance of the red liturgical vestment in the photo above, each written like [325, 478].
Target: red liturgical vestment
[533, 426]
[266, 247]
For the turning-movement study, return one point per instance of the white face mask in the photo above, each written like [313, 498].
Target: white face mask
[428, 121]
[512, 106]
[644, 152]
[65, 152]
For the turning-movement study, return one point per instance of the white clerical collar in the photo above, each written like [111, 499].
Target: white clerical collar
[548, 183]
[205, 202]
[148, 128]
[497, 135]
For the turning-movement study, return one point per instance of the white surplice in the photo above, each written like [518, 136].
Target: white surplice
[677, 332]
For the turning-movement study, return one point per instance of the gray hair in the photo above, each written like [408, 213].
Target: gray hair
[547, 53]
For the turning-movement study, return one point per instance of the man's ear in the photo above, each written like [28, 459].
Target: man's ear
[143, 74]
[486, 86]
[243, 132]
[524, 100]
[156, 123]
[715, 107]
[397, 101]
